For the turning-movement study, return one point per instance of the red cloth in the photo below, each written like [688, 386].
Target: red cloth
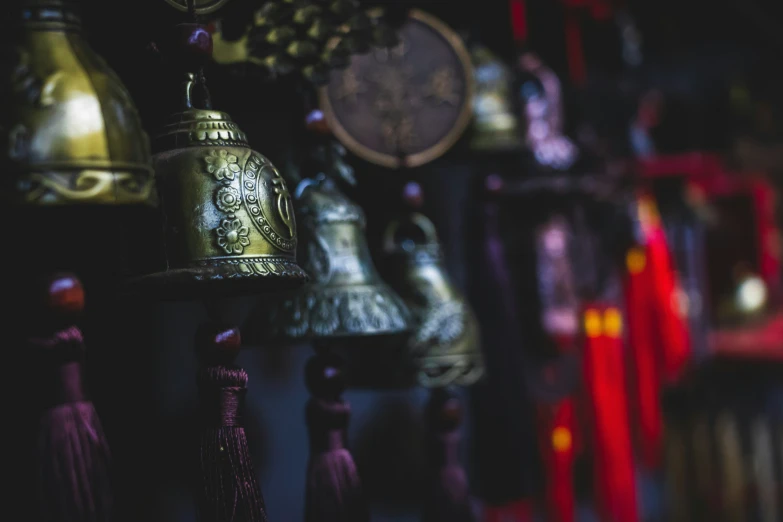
[671, 321]
[644, 388]
[519, 511]
[604, 378]
[557, 425]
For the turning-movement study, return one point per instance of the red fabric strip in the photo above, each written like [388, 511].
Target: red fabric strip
[643, 382]
[518, 20]
[615, 481]
[556, 439]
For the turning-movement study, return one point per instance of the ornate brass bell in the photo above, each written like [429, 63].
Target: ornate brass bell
[445, 345]
[495, 125]
[229, 218]
[70, 131]
[347, 297]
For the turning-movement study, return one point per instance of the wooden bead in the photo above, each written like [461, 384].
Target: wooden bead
[218, 344]
[493, 183]
[413, 195]
[315, 122]
[325, 376]
[189, 47]
[445, 410]
[64, 295]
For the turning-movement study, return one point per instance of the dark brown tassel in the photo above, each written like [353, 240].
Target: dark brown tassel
[73, 456]
[228, 491]
[334, 491]
[448, 497]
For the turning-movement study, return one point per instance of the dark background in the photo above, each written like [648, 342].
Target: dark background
[142, 365]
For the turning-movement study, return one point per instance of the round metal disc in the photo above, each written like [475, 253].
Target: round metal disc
[407, 105]
[201, 7]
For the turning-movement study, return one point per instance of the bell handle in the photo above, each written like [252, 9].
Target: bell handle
[420, 220]
[187, 99]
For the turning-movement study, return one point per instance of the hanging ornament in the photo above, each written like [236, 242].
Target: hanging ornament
[229, 219]
[71, 132]
[495, 125]
[445, 345]
[406, 104]
[308, 37]
[346, 298]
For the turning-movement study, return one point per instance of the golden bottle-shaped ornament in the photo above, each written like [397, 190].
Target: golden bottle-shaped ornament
[346, 297]
[228, 215]
[495, 125]
[445, 345]
[70, 132]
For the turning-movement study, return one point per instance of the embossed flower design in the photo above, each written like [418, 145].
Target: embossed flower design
[232, 236]
[222, 164]
[227, 199]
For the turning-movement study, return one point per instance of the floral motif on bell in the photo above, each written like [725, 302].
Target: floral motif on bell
[222, 164]
[228, 200]
[232, 236]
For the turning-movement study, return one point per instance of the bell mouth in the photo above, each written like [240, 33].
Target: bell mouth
[198, 127]
[219, 278]
[329, 313]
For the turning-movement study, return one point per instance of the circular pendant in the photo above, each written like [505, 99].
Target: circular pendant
[407, 105]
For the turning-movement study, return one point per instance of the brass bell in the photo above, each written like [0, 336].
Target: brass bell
[228, 215]
[495, 125]
[70, 131]
[445, 345]
[346, 297]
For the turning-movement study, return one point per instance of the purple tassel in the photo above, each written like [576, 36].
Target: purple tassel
[448, 498]
[229, 490]
[73, 481]
[333, 491]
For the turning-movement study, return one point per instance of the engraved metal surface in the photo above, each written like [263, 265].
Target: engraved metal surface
[445, 345]
[347, 297]
[227, 211]
[200, 7]
[406, 105]
[69, 132]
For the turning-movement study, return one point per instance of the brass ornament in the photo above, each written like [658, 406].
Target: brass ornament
[445, 345]
[495, 126]
[346, 296]
[200, 7]
[310, 37]
[69, 131]
[404, 105]
[228, 214]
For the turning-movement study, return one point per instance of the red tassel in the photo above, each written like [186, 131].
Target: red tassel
[671, 321]
[518, 20]
[644, 381]
[557, 448]
[73, 455]
[448, 498]
[615, 483]
[333, 491]
[576, 59]
[228, 490]
[519, 511]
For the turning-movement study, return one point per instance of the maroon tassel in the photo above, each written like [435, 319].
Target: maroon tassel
[73, 456]
[229, 491]
[448, 498]
[333, 491]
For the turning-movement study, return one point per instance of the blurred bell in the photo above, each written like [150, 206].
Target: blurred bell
[495, 126]
[71, 132]
[346, 297]
[445, 345]
[228, 214]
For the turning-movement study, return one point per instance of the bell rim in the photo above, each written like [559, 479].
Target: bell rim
[217, 280]
[255, 327]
